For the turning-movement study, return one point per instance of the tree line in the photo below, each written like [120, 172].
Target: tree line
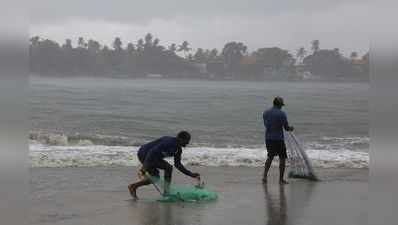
[148, 56]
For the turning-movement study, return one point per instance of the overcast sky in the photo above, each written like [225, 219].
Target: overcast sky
[288, 24]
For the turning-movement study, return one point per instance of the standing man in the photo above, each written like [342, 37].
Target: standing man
[275, 120]
[152, 155]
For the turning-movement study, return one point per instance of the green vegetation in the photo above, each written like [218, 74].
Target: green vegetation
[148, 56]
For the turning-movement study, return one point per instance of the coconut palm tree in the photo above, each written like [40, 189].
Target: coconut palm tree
[301, 53]
[184, 47]
[81, 43]
[315, 45]
[140, 45]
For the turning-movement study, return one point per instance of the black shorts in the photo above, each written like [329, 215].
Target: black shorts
[276, 148]
[154, 167]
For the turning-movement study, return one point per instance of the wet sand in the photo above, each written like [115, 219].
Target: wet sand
[99, 196]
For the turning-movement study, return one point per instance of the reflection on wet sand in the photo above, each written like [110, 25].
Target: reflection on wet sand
[154, 213]
[284, 211]
[276, 206]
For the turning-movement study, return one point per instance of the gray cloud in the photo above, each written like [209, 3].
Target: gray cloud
[209, 24]
[46, 11]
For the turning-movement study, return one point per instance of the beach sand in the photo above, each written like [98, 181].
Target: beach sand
[99, 196]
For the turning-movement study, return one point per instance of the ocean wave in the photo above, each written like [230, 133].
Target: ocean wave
[100, 155]
[337, 143]
[60, 139]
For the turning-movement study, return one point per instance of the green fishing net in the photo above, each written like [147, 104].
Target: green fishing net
[185, 194]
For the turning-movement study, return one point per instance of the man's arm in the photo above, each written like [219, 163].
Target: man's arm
[265, 119]
[180, 167]
[285, 123]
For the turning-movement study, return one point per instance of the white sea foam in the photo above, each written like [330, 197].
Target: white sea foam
[99, 155]
[338, 143]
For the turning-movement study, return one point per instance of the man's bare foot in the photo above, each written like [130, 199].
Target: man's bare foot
[133, 191]
[283, 182]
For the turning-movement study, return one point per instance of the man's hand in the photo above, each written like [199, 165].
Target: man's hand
[200, 183]
[196, 175]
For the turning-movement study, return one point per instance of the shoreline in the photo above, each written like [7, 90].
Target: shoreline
[320, 80]
[42, 156]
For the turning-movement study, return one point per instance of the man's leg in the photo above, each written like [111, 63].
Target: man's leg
[282, 162]
[133, 187]
[282, 166]
[168, 171]
[144, 180]
[266, 167]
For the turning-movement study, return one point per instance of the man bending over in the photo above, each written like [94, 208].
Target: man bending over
[152, 155]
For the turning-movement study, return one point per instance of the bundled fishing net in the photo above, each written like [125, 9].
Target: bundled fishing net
[196, 193]
[192, 194]
[300, 165]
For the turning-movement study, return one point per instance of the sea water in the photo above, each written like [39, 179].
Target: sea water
[102, 122]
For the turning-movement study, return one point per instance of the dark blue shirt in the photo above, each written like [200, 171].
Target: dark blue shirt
[274, 121]
[160, 149]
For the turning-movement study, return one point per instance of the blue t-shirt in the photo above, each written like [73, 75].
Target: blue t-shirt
[274, 121]
[161, 148]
